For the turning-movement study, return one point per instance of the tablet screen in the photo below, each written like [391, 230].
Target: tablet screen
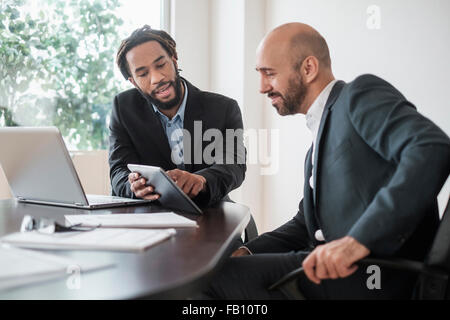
[171, 196]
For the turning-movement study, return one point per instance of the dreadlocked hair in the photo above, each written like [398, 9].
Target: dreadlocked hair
[139, 36]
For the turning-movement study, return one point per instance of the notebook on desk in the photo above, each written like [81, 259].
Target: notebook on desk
[39, 169]
[111, 239]
[134, 220]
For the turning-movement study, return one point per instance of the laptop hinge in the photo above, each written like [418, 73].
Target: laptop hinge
[79, 204]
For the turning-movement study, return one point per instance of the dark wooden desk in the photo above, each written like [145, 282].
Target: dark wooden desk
[175, 268]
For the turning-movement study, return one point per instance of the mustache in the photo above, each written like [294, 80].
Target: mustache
[162, 84]
[172, 83]
[274, 94]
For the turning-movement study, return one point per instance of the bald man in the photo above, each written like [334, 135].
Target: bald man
[372, 176]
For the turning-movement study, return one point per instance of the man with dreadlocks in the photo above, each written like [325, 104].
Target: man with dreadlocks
[162, 121]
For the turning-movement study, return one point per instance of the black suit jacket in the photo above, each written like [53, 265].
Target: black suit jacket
[137, 136]
[379, 167]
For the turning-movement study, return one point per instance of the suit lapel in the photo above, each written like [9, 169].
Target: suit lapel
[308, 205]
[334, 94]
[193, 147]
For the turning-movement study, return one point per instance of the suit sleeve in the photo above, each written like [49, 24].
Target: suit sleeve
[291, 236]
[121, 152]
[420, 151]
[228, 173]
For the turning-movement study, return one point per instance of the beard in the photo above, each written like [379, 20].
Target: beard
[151, 98]
[294, 97]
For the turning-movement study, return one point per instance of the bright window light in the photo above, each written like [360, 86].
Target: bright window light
[57, 63]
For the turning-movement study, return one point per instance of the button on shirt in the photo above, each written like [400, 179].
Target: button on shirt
[174, 130]
[313, 117]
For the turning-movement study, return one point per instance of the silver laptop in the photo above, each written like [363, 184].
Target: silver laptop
[39, 169]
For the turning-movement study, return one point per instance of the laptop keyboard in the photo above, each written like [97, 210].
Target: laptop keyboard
[98, 199]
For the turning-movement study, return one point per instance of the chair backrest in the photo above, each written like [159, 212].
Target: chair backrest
[439, 254]
[251, 231]
[437, 286]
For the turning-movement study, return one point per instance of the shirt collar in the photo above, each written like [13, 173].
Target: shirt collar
[314, 114]
[181, 109]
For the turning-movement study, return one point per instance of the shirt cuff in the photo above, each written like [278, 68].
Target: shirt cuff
[247, 249]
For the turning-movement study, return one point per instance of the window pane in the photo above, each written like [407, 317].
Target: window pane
[57, 63]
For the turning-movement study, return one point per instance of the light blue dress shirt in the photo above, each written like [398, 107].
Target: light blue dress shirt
[174, 130]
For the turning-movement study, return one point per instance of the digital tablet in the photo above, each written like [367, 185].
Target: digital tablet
[171, 196]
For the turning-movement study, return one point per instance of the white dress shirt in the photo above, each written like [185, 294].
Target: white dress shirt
[174, 130]
[313, 117]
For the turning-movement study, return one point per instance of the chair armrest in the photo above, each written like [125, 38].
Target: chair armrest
[396, 264]
[287, 278]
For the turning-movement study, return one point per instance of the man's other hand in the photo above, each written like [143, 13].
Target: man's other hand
[334, 260]
[140, 189]
[190, 183]
[240, 252]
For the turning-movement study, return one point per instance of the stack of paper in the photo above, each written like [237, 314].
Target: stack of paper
[98, 239]
[122, 220]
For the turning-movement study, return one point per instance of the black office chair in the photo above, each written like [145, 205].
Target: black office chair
[434, 272]
[251, 231]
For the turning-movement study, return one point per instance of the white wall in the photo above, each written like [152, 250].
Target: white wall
[190, 27]
[227, 48]
[5, 192]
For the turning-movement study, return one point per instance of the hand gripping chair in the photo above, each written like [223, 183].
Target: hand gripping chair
[433, 273]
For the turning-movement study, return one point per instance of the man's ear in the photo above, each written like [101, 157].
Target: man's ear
[310, 69]
[175, 63]
[132, 81]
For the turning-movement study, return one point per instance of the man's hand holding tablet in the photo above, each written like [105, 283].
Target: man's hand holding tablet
[191, 184]
[173, 188]
[139, 187]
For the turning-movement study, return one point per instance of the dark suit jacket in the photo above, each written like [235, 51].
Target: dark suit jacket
[379, 166]
[137, 136]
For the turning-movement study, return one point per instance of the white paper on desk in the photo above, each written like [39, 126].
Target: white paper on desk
[115, 239]
[135, 220]
[23, 267]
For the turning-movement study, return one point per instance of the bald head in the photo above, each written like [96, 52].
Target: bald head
[301, 41]
[294, 64]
